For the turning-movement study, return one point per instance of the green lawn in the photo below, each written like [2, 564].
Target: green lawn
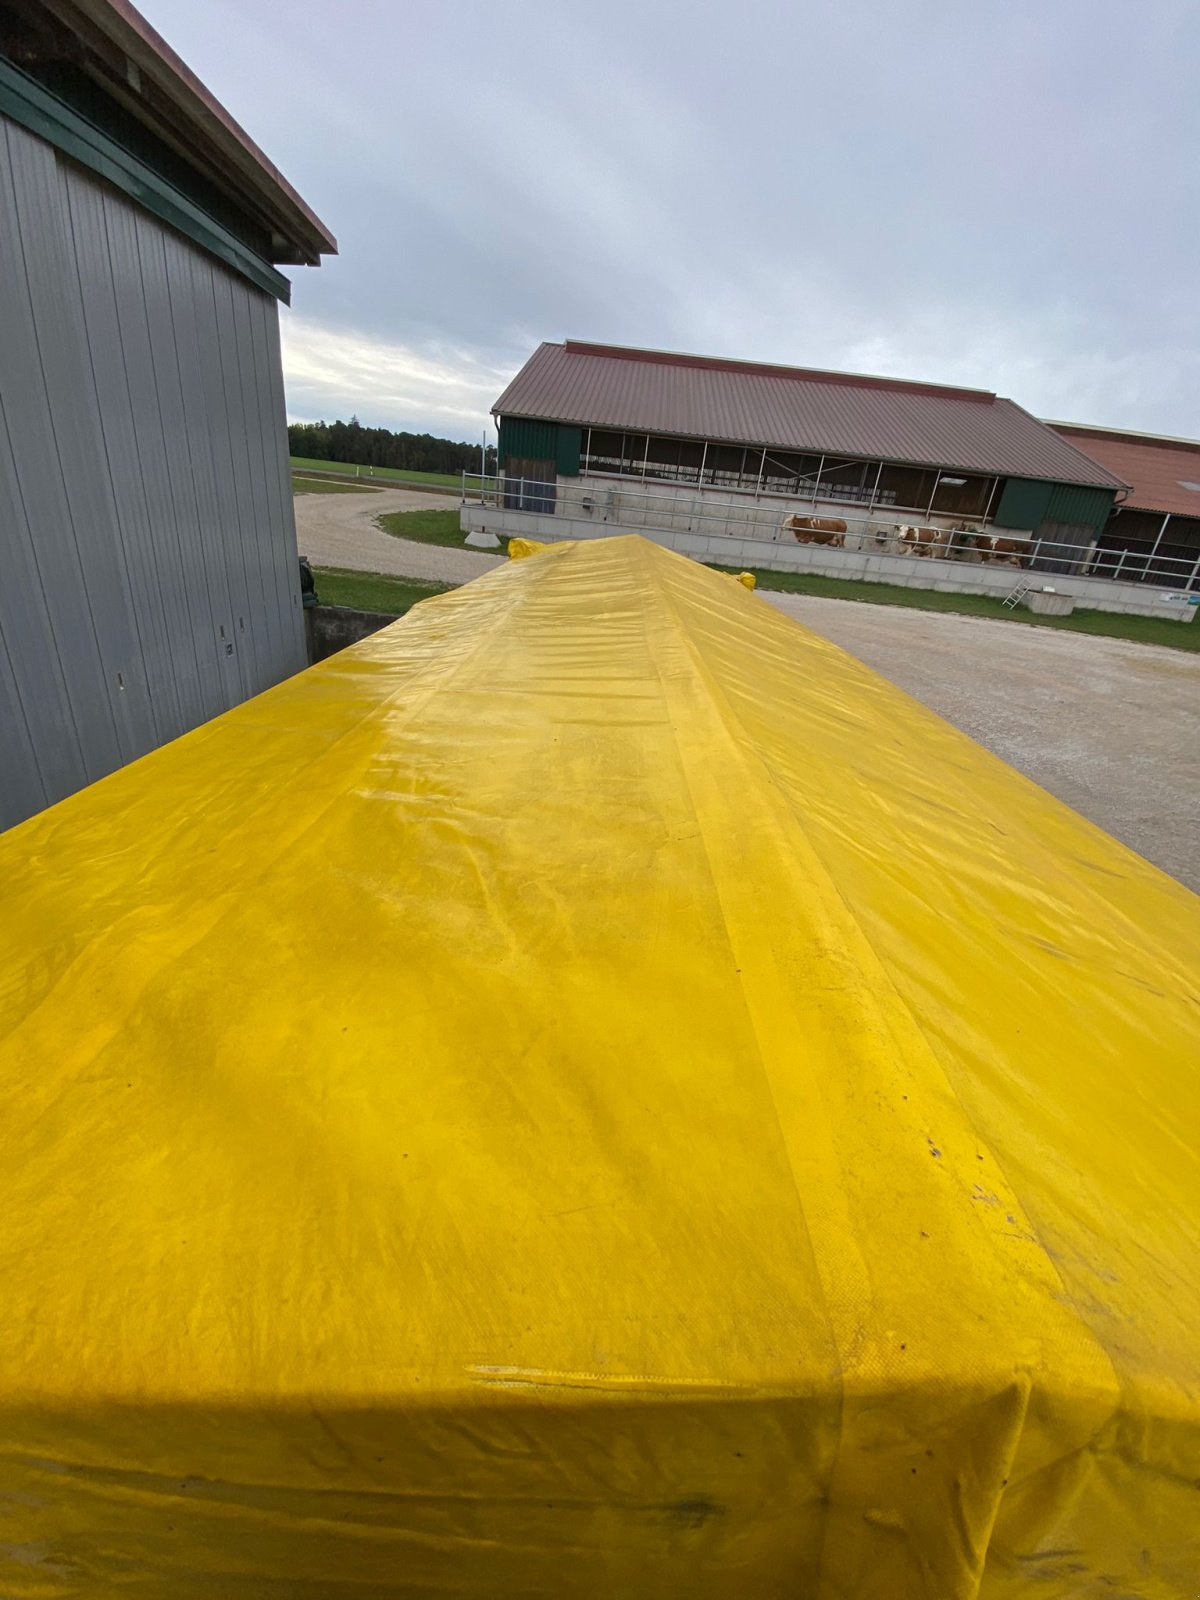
[372, 591]
[432, 480]
[430, 527]
[1114, 625]
[303, 485]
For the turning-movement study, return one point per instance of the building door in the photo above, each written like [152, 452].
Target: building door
[1066, 538]
[528, 484]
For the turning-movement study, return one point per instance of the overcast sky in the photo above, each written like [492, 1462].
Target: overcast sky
[1002, 195]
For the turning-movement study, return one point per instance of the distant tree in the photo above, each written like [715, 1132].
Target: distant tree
[350, 442]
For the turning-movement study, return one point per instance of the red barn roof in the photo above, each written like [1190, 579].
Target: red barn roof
[794, 408]
[1165, 473]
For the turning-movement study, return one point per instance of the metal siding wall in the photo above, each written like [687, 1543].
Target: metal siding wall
[570, 443]
[528, 439]
[1023, 503]
[95, 281]
[59, 476]
[272, 411]
[144, 493]
[1073, 503]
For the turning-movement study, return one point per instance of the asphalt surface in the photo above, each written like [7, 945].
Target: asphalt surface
[1109, 726]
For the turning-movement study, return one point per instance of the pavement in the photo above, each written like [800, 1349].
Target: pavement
[1109, 726]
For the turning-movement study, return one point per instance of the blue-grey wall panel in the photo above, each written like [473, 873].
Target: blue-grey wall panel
[57, 461]
[265, 315]
[187, 633]
[150, 559]
[110, 399]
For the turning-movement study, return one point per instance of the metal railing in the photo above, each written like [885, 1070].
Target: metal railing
[664, 510]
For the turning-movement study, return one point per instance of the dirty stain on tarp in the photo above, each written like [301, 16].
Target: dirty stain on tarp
[593, 1092]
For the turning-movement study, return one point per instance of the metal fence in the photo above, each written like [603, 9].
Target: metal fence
[691, 511]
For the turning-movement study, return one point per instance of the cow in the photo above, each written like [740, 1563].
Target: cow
[1009, 552]
[921, 541]
[816, 530]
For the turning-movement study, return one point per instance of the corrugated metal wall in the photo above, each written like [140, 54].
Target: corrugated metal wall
[1022, 503]
[530, 440]
[1028, 502]
[1073, 503]
[149, 575]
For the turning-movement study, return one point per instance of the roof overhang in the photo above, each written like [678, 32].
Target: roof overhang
[133, 65]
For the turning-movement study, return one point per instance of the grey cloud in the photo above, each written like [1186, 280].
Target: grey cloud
[1006, 196]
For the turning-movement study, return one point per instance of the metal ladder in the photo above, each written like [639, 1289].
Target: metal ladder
[1013, 600]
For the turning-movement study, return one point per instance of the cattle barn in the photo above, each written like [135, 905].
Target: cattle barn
[698, 436]
[1157, 526]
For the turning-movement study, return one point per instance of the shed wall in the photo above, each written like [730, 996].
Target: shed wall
[1028, 502]
[150, 574]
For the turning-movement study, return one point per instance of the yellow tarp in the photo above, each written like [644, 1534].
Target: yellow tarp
[593, 1092]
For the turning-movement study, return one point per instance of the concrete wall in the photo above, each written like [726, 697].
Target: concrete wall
[149, 576]
[328, 629]
[910, 572]
[634, 503]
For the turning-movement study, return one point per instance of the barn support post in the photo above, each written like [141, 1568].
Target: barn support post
[990, 498]
[1120, 564]
[1192, 579]
[817, 480]
[933, 496]
[1161, 531]
[875, 488]
[704, 463]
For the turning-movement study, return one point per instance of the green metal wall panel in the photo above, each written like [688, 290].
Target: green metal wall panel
[1029, 502]
[570, 443]
[528, 439]
[1076, 504]
[1024, 503]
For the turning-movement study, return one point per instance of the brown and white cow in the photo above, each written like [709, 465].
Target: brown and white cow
[1009, 552]
[921, 541]
[816, 530]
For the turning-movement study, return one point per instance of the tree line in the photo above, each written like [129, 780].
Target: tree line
[381, 447]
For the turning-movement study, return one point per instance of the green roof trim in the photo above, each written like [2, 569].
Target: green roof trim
[39, 111]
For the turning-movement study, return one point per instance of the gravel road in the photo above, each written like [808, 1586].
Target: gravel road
[338, 530]
[1111, 727]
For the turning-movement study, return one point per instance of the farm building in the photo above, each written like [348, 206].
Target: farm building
[150, 575]
[871, 451]
[1157, 526]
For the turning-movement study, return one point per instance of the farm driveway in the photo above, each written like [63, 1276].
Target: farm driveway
[1109, 726]
[338, 530]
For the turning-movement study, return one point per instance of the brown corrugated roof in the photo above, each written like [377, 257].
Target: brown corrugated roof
[793, 408]
[1165, 473]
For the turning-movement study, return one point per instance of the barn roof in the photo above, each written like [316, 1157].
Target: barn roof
[1164, 472]
[793, 408]
[103, 53]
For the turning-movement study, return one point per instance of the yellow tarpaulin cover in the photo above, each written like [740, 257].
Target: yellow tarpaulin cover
[593, 1092]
